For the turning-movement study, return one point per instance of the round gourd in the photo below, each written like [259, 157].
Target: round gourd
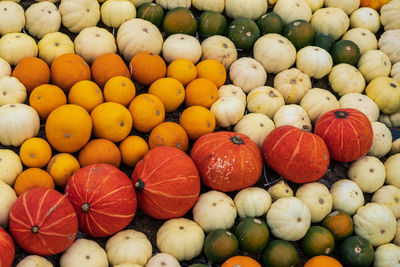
[324, 40]
[270, 23]
[265, 100]
[163, 259]
[12, 17]
[345, 51]
[382, 142]
[292, 84]
[16, 46]
[243, 32]
[7, 248]
[171, 4]
[280, 190]
[280, 253]
[247, 73]
[347, 6]
[300, 33]
[84, 252]
[392, 166]
[375, 4]
[356, 251]
[389, 196]
[373, 64]
[181, 45]
[385, 92]
[211, 23]
[392, 120]
[146, 68]
[138, 3]
[179, 20]
[339, 223]
[115, 12]
[386, 254]
[32, 72]
[11, 166]
[346, 79]
[252, 9]
[314, 61]
[395, 73]
[219, 245]
[151, 12]
[290, 10]
[5, 68]
[7, 197]
[108, 66]
[318, 241]
[347, 196]
[317, 198]
[366, 18]
[242, 261]
[362, 103]
[219, 48]
[252, 202]
[368, 172]
[331, 20]
[363, 38]
[389, 43]
[252, 234]
[53, 45]
[42, 18]
[227, 110]
[317, 101]
[257, 126]
[396, 239]
[232, 90]
[209, 5]
[12, 91]
[77, 15]
[293, 115]
[33, 261]
[396, 146]
[390, 15]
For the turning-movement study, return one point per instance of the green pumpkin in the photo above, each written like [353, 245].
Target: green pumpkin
[244, 33]
[300, 33]
[356, 251]
[280, 253]
[252, 234]
[339, 223]
[324, 40]
[211, 23]
[220, 245]
[345, 51]
[270, 23]
[151, 12]
[318, 241]
[179, 20]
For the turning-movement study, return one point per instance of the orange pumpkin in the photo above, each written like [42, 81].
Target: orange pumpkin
[32, 178]
[375, 4]
[147, 111]
[213, 70]
[32, 72]
[107, 66]
[169, 134]
[61, 167]
[133, 149]
[46, 98]
[35, 152]
[147, 67]
[322, 261]
[183, 70]
[99, 151]
[241, 261]
[201, 92]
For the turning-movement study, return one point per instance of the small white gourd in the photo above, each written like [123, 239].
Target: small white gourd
[137, 3]
[387, 255]
[171, 4]
[179, 46]
[392, 166]
[293, 115]
[382, 142]
[363, 38]
[247, 73]
[292, 84]
[396, 239]
[266, 100]
[345, 78]
[209, 5]
[84, 252]
[232, 90]
[115, 12]
[366, 18]
[163, 259]
[314, 61]
[347, 196]
[12, 17]
[368, 173]
[389, 43]
[280, 190]
[34, 261]
[252, 202]
[227, 110]
[7, 199]
[10, 166]
[315, 4]
[318, 101]
[390, 15]
[42, 18]
[79, 14]
[251, 9]
[391, 120]
[16, 46]
[291, 10]
[395, 73]
[5, 68]
[128, 264]
[362, 103]
[256, 126]
[395, 146]
[389, 196]
[11, 91]
[331, 20]
[348, 6]
[373, 64]
[53, 45]
[219, 48]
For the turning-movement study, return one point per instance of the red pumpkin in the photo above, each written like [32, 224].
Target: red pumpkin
[227, 161]
[43, 221]
[347, 133]
[7, 249]
[298, 156]
[167, 183]
[103, 197]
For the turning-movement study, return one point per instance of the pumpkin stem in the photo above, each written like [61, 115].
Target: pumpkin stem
[140, 185]
[35, 229]
[237, 140]
[85, 207]
[340, 114]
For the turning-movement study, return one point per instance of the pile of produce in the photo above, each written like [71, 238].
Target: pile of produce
[199, 133]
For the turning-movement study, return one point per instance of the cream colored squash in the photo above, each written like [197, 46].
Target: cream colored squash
[348, 6]
[52, 1]
[93, 42]
[392, 166]
[7, 199]
[362, 103]
[257, 126]
[5, 68]
[247, 73]
[171, 4]
[291, 10]
[376, 223]
[314, 61]
[392, 120]
[42, 18]
[331, 20]
[128, 246]
[390, 15]
[395, 73]
[363, 38]
[366, 18]
[128, 264]
[387, 255]
[373, 64]
[368, 173]
[289, 218]
[227, 110]
[280, 190]
[209, 5]
[265, 100]
[53, 45]
[219, 48]
[345, 79]
[138, 35]
[317, 101]
[395, 146]
[317, 198]
[16, 46]
[315, 4]
[382, 142]
[389, 196]
[34, 261]
[11, 91]
[179, 46]
[385, 92]
[84, 252]
[232, 90]
[79, 14]
[292, 84]
[251, 9]
[347, 196]
[396, 239]
[182, 238]
[252, 202]
[163, 260]
[214, 210]
[12, 17]
[115, 12]
[10, 166]
[275, 52]
[293, 115]
[389, 43]
[137, 3]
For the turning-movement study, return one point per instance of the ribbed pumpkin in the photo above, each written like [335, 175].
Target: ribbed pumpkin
[347, 133]
[227, 161]
[103, 197]
[107, 66]
[7, 249]
[167, 182]
[43, 222]
[298, 156]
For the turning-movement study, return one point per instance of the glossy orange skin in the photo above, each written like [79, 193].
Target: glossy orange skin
[375, 4]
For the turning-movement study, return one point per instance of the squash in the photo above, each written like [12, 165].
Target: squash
[84, 252]
[362, 103]
[386, 255]
[151, 12]
[12, 91]
[315, 4]
[252, 234]
[179, 45]
[257, 126]
[169, 134]
[389, 43]
[252, 202]
[42, 18]
[77, 15]
[270, 23]
[395, 146]
[392, 120]
[290, 10]
[363, 38]
[396, 239]
[5, 68]
[331, 20]
[16, 46]
[32, 72]
[318, 241]
[232, 90]
[390, 15]
[219, 245]
[179, 20]
[219, 48]
[171, 4]
[366, 18]
[252, 9]
[108, 66]
[265, 100]
[293, 115]
[292, 84]
[7, 248]
[324, 40]
[243, 32]
[146, 68]
[53, 45]
[7, 197]
[392, 166]
[227, 110]
[395, 73]
[368, 172]
[347, 196]
[314, 61]
[382, 142]
[375, 4]
[389, 196]
[385, 92]
[345, 51]
[373, 64]
[12, 17]
[339, 223]
[240, 260]
[347, 6]
[280, 253]
[33, 261]
[300, 33]
[345, 79]
[280, 190]
[317, 101]
[11, 166]
[137, 3]
[209, 5]
[115, 12]
[32, 178]
[163, 259]
[211, 23]
[99, 151]
[356, 251]
[247, 73]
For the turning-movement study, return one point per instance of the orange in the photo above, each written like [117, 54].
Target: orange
[32, 178]
[86, 94]
[183, 70]
[100, 151]
[35, 152]
[201, 92]
[133, 149]
[111, 121]
[61, 167]
[322, 261]
[169, 134]
[244, 261]
[170, 91]
[147, 112]
[197, 121]
[119, 89]
[46, 98]
[213, 70]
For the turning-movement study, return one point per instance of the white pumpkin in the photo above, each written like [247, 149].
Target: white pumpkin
[376, 223]
[345, 79]
[11, 91]
[128, 246]
[10, 166]
[292, 84]
[137, 3]
[227, 110]
[138, 35]
[382, 142]
[366, 18]
[93, 42]
[171, 4]
[34, 261]
[314, 61]
[219, 48]
[387, 255]
[390, 15]
[395, 73]
[289, 218]
[252, 202]
[395, 146]
[214, 210]
[347, 196]
[265, 100]
[115, 12]
[392, 166]
[315, 4]
[42, 18]
[317, 198]
[257, 126]
[163, 260]
[7, 199]
[179, 46]
[232, 90]
[16, 46]
[293, 115]
[291, 10]
[363, 38]
[251, 9]
[53, 45]
[128, 264]
[182, 238]
[348, 6]
[362, 103]
[280, 190]
[389, 196]
[209, 5]
[5, 68]
[331, 20]
[317, 101]
[396, 239]
[368, 173]
[247, 73]
[79, 14]
[18, 122]
[12, 17]
[389, 43]
[391, 120]
[84, 252]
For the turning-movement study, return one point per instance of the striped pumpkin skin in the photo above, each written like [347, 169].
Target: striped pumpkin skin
[167, 183]
[7, 249]
[298, 156]
[43, 221]
[227, 161]
[103, 198]
[347, 133]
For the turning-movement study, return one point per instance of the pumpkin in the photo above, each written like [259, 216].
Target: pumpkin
[201, 92]
[32, 72]
[171, 4]
[363, 38]
[85, 94]
[61, 166]
[396, 239]
[12, 91]
[227, 110]
[241, 261]
[147, 67]
[45, 98]
[197, 121]
[108, 66]
[367, 18]
[293, 115]
[385, 92]
[368, 173]
[213, 70]
[151, 12]
[7, 249]
[252, 9]
[10, 166]
[395, 146]
[84, 252]
[317, 198]
[265, 100]
[42, 18]
[163, 259]
[345, 79]
[241, 169]
[32, 178]
[252, 202]
[382, 141]
[179, 20]
[330, 20]
[147, 111]
[77, 15]
[182, 70]
[290, 10]
[232, 90]
[247, 73]
[99, 151]
[16, 46]
[219, 245]
[209, 5]
[339, 223]
[114, 13]
[180, 45]
[137, 3]
[167, 183]
[389, 43]
[7, 197]
[389, 15]
[314, 61]
[386, 254]
[389, 196]
[362, 103]
[5, 68]
[43, 222]
[219, 48]
[347, 196]
[392, 170]
[317, 101]
[280, 190]
[347, 6]
[169, 134]
[288, 150]
[35, 152]
[292, 84]
[12, 17]
[395, 72]
[257, 126]
[391, 120]
[34, 260]
[170, 91]
[53, 45]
